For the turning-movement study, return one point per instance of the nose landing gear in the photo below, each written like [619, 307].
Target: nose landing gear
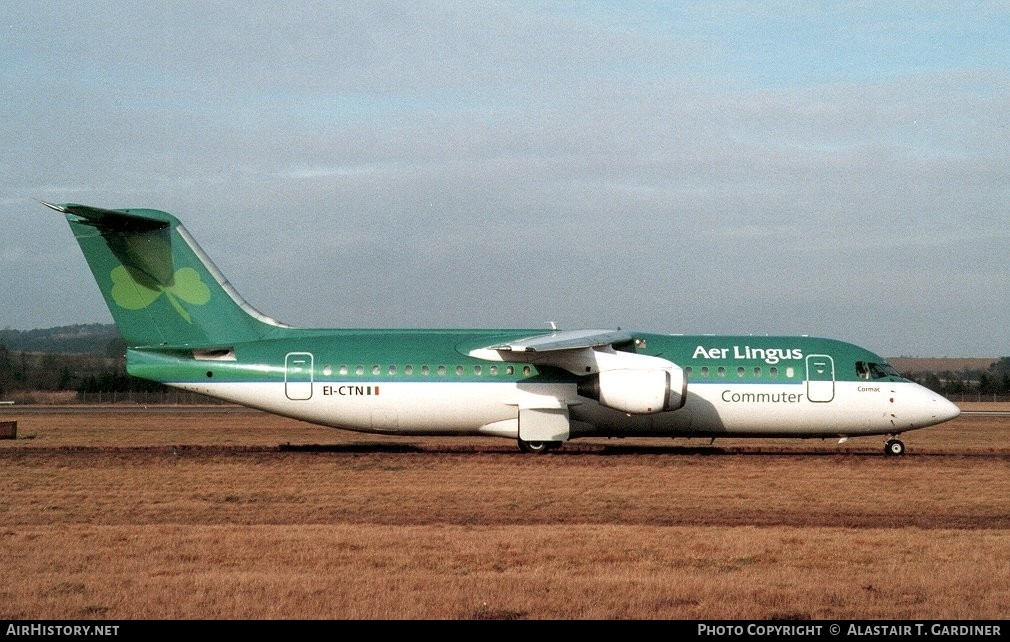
[894, 447]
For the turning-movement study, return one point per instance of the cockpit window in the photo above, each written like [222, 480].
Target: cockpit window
[870, 370]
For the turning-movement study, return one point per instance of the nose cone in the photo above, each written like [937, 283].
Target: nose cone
[934, 408]
[944, 410]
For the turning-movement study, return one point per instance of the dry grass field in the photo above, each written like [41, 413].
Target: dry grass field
[223, 513]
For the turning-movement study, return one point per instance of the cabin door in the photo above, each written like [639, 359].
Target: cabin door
[820, 378]
[298, 375]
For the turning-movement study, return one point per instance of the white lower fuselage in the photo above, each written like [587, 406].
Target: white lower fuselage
[711, 410]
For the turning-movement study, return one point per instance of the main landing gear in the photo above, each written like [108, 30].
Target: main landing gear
[894, 447]
[538, 447]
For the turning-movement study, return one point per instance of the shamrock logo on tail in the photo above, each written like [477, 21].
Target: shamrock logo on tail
[130, 293]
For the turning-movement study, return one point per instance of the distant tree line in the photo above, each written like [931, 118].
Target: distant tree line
[22, 372]
[83, 358]
[82, 338]
[995, 380]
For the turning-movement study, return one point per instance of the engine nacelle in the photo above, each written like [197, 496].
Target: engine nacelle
[638, 391]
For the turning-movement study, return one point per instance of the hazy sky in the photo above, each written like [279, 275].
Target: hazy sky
[824, 168]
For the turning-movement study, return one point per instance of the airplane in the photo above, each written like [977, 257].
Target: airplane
[185, 326]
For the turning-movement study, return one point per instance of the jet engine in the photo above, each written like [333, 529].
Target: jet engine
[641, 388]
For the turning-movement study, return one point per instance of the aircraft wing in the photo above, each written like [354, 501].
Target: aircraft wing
[620, 379]
[578, 351]
[564, 340]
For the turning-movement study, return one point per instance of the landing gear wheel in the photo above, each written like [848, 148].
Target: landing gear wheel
[894, 447]
[537, 447]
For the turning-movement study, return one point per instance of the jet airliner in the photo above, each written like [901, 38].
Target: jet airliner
[186, 326]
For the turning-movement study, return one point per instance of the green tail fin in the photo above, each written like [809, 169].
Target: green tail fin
[161, 288]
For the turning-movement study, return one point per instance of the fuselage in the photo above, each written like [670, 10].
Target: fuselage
[426, 382]
[185, 325]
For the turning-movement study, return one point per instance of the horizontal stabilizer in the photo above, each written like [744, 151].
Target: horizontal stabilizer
[113, 219]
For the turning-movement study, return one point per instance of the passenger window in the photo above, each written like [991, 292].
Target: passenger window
[494, 371]
[359, 370]
[376, 370]
[425, 370]
[441, 370]
[790, 372]
[740, 371]
[704, 371]
[773, 372]
[721, 371]
[392, 370]
[408, 370]
[343, 369]
[476, 370]
[509, 370]
[757, 372]
[459, 371]
[526, 370]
